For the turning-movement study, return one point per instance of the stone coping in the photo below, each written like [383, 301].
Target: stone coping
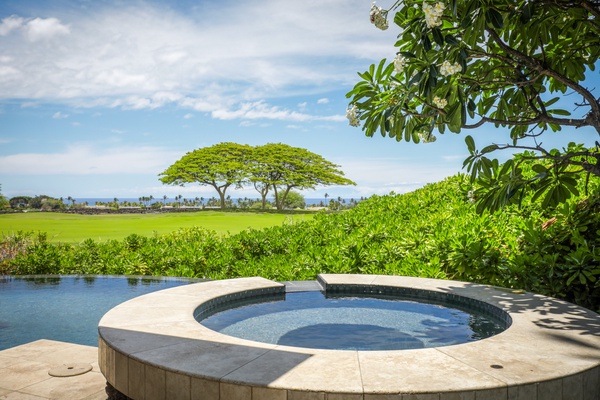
[152, 347]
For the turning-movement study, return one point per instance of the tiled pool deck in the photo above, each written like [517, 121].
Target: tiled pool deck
[151, 347]
[24, 372]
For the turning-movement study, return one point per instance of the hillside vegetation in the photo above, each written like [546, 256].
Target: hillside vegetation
[432, 232]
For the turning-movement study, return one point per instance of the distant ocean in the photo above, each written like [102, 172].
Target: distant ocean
[93, 200]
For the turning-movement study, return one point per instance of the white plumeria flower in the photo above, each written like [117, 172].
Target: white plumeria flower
[439, 102]
[352, 115]
[378, 17]
[447, 69]
[399, 63]
[433, 14]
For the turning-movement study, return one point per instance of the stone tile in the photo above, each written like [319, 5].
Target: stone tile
[263, 393]
[178, 386]
[34, 350]
[20, 396]
[347, 279]
[299, 395]
[155, 383]
[523, 392]
[591, 384]
[100, 395]
[492, 394]
[421, 396]
[344, 396]
[202, 358]
[383, 396]
[69, 353]
[457, 396]
[202, 389]
[235, 392]
[331, 371]
[119, 375]
[573, 387]
[72, 388]
[8, 361]
[268, 369]
[135, 379]
[22, 374]
[132, 341]
[409, 371]
[550, 390]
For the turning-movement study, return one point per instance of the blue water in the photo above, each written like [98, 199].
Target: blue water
[65, 308]
[309, 319]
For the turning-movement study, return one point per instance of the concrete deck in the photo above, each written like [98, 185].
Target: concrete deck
[24, 372]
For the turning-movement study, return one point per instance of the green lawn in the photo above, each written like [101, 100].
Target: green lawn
[74, 227]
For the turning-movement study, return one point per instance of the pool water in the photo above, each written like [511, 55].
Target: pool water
[66, 308]
[310, 319]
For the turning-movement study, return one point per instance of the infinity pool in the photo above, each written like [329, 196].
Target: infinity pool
[66, 308]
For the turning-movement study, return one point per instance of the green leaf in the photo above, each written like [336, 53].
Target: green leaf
[559, 112]
[451, 40]
[494, 18]
[470, 143]
[437, 36]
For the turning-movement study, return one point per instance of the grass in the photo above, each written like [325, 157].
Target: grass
[73, 228]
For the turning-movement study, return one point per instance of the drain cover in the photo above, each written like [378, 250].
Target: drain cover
[70, 370]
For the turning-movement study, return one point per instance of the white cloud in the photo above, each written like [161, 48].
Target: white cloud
[40, 28]
[188, 116]
[147, 56]
[9, 24]
[323, 101]
[59, 115]
[89, 160]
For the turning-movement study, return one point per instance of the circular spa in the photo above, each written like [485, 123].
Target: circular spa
[367, 319]
[360, 337]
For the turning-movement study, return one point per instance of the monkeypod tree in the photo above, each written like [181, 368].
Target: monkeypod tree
[283, 168]
[219, 166]
[524, 65]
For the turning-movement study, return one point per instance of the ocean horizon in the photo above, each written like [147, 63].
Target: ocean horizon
[94, 200]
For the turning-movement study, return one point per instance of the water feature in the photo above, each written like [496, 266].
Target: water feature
[66, 308]
[356, 322]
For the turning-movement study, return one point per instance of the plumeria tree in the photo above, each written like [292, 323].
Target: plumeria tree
[525, 65]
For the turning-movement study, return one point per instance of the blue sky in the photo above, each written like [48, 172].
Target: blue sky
[98, 97]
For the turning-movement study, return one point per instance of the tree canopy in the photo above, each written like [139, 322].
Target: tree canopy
[276, 167]
[219, 166]
[282, 168]
[517, 64]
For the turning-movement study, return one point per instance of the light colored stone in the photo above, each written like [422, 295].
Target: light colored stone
[235, 392]
[403, 371]
[202, 389]
[492, 394]
[77, 387]
[135, 379]
[457, 396]
[155, 385]
[298, 395]
[23, 374]
[550, 390]
[263, 393]
[178, 386]
[523, 392]
[591, 384]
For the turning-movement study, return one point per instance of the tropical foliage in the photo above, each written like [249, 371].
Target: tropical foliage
[462, 64]
[432, 232]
